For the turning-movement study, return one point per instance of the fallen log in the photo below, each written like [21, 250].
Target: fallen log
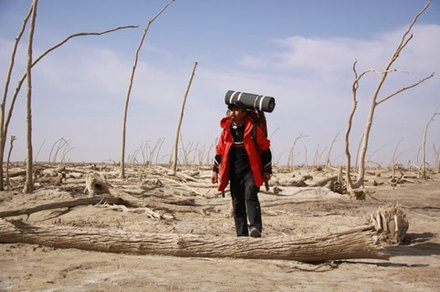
[116, 198]
[64, 204]
[296, 183]
[354, 243]
[324, 181]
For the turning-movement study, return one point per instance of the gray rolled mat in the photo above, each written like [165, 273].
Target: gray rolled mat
[250, 100]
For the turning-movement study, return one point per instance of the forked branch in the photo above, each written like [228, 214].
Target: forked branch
[374, 102]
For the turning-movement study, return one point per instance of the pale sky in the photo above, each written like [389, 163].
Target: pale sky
[300, 52]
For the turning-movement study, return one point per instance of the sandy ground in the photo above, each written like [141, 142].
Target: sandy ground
[305, 211]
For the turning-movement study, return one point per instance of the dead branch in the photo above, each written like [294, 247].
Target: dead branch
[405, 88]
[130, 85]
[8, 159]
[5, 95]
[179, 123]
[4, 123]
[351, 186]
[292, 151]
[327, 160]
[20, 83]
[424, 144]
[95, 185]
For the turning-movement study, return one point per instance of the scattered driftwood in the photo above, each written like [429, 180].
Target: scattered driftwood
[355, 243]
[63, 204]
[324, 182]
[17, 173]
[53, 180]
[296, 183]
[99, 191]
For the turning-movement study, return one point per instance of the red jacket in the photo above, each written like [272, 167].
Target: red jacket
[225, 142]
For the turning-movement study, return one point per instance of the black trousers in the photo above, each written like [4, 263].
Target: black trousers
[245, 203]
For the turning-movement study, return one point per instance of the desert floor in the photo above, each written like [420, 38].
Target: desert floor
[294, 211]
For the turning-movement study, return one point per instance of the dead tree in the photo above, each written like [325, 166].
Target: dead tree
[327, 160]
[13, 138]
[5, 119]
[437, 153]
[130, 85]
[5, 95]
[29, 184]
[182, 110]
[352, 186]
[290, 161]
[424, 144]
[395, 156]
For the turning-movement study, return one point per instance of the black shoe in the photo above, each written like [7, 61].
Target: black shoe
[255, 232]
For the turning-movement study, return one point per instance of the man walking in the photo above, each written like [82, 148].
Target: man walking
[243, 158]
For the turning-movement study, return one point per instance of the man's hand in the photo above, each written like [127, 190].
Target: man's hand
[266, 177]
[214, 177]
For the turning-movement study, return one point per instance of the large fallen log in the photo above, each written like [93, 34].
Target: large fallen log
[354, 243]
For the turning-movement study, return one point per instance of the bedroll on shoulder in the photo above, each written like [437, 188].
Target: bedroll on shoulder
[251, 101]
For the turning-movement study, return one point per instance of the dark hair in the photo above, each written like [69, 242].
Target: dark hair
[237, 104]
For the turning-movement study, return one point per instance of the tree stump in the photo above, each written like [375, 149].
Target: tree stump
[390, 223]
[95, 185]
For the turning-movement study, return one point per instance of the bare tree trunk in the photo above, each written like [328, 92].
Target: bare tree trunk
[350, 123]
[290, 161]
[130, 85]
[182, 110]
[374, 102]
[29, 183]
[424, 144]
[395, 155]
[351, 186]
[327, 160]
[9, 159]
[5, 95]
[354, 243]
[438, 163]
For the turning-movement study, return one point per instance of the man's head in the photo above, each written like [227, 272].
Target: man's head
[237, 112]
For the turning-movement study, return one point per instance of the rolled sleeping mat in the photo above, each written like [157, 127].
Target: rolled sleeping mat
[251, 101]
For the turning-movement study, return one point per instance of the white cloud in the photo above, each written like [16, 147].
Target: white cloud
[309, 77]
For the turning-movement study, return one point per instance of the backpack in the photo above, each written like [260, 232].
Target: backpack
[259, 121]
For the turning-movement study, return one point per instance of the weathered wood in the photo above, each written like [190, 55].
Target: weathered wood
[296, 183]
[63, 204]
[391, 224]
[324, 181]
[354, 243]
[95, 185]
[116, 197]
[17, 173]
